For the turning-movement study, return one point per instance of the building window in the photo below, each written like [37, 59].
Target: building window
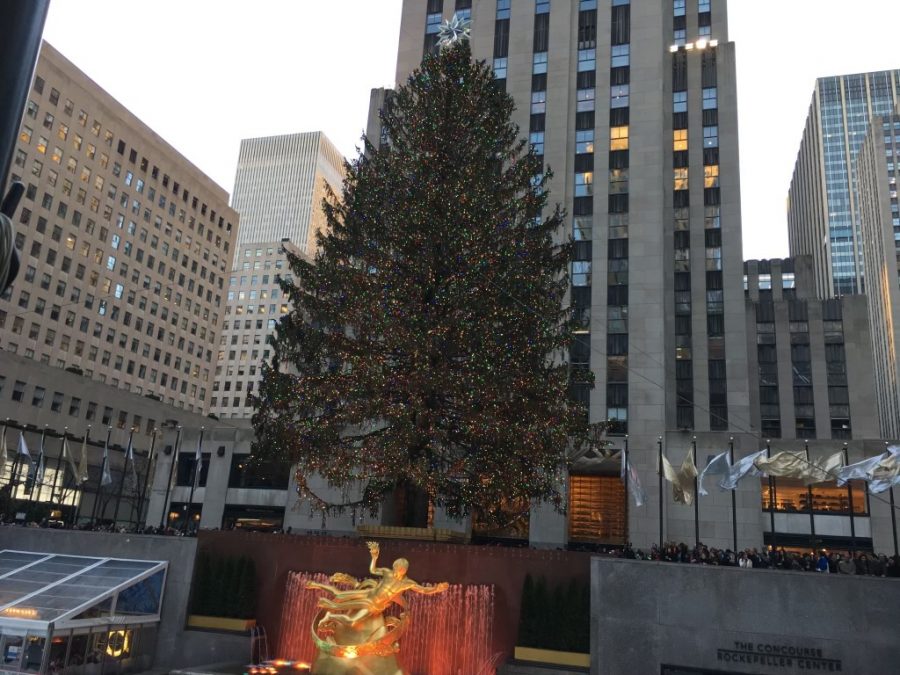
[710, 98]
[18, 391]
[37, 400]
[679, 140]
[618, 138]
[584, 184]
[597, 511]
[500, 65]
[621, 56]
[539, 63]
[711, 137]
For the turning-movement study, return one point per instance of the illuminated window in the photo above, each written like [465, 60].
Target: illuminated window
[711, 176]
[618, 138]
[792, 496]
[584, 184]
[597, 510]
[680, 140]
[681, 179]
[584, 142]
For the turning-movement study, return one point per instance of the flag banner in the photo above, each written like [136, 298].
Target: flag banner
[106, 476]
[784, 465]
[682, 479]
[824, 468]
[69, 459]
[634, 482]
[198, 461]
[129, 457]
[740, 470]
[718, 466]
[4, 450]
[634, 486]
[81, 475]
[865, 469]
[23, 448]
[883, 484]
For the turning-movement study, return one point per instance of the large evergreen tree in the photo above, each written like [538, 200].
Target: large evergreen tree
[426, 344]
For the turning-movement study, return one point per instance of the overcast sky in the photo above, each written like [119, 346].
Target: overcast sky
[206, 73]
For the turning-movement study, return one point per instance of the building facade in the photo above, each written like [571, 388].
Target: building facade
[824, 208]
[633, 105]
[880, 216]
[280, 184]
[125, 246]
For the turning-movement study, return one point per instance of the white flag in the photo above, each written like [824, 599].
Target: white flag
[718, 466]
[23, 448]
[129, 457]
[39, 472]
[68, 458]
[105, 477]
[879, 485]
[682, 479]
[862, 470]
[824, 469]
[81, 475]
[742, 468]
[198, 460]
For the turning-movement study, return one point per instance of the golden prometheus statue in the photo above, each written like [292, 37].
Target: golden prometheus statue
[352, 632]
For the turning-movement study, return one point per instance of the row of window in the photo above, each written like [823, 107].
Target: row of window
[75, 407]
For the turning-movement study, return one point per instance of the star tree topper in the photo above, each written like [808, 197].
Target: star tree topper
[454, 30]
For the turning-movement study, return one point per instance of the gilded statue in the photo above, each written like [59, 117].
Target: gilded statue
[352, 632]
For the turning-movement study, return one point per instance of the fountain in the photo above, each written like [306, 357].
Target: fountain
[446, 629]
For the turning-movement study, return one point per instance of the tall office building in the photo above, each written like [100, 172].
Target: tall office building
[824, 215]
[880, 216]
[633, 105]
[280, 184]
[125, 245]
[278, 190]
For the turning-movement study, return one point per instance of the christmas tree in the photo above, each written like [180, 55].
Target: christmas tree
[427, 341]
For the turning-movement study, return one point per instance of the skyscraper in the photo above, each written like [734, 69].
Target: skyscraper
[880, 216]
[279, 187]
[125, 245]
[823, 202]
[278, 190]
[634, 107]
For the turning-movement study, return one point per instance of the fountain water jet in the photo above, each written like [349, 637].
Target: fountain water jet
[449, 634]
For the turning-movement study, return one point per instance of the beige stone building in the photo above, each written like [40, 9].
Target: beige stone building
[125, 245]
[278, 190]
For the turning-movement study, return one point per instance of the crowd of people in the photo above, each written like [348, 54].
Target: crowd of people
[824, 561]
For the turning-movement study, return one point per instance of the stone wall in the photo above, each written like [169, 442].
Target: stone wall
[646, 615]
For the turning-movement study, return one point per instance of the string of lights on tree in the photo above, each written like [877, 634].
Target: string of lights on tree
[426, 342]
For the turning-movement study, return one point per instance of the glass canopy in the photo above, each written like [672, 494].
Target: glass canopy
[67, 613]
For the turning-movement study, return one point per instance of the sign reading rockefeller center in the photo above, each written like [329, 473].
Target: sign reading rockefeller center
[778, 656]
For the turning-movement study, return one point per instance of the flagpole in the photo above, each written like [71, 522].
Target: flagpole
[58, 465]
[124, 473]
[77, 480]
[99, 495]
[894, 521]
[146, 477]
[772, 499]
[733, 500]
[37, 469]
[164, 518]
[850, 504]
[696, 496]
[809, 504]
[625, 451]
[198, 465]
[660, 471]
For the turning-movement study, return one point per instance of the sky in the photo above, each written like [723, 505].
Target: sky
[204, 74]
